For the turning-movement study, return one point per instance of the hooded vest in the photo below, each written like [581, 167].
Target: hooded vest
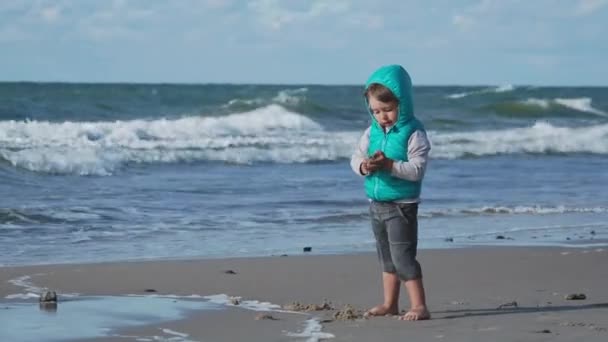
[380, 185]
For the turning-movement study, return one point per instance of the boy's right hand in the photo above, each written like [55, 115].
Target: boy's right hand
[369, 167]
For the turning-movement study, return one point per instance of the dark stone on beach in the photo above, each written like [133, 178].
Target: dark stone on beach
[576, 296]
[307, 249]
[149, 290]
[449, 239]
[229, 272]
[48, 297]
[512, 304]
[544, 331]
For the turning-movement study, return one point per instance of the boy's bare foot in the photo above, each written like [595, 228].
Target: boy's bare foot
[416, 314]
[382, 310]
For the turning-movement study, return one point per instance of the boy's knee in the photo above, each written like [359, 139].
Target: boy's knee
[408, 269]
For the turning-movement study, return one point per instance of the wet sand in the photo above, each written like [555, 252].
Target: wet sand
[474, 294]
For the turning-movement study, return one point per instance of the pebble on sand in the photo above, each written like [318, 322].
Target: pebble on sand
[576, 296]
[48, 297]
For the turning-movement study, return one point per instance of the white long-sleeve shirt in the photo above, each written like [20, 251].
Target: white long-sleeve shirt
[418, 147]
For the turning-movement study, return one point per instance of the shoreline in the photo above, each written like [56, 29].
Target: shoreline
[466, 288]
[449, 245]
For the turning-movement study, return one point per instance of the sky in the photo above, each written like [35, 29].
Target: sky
[440, 42]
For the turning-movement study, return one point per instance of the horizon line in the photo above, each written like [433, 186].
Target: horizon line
[162, 83]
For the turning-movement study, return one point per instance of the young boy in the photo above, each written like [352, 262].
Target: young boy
[392, 155]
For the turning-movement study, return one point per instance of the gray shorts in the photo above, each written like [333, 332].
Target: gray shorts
[395, 227]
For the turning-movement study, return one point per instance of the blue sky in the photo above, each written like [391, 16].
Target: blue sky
[540, 42]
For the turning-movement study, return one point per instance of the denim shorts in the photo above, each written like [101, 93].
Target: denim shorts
[395, 227]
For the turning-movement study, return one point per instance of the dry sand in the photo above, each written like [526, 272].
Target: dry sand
[467, 290]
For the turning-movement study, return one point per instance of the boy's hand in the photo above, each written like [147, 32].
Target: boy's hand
[379, 161]
[367, 167]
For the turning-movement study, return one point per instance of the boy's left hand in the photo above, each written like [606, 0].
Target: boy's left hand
[379, 161]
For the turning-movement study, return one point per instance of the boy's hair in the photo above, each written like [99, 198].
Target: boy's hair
[380, 92]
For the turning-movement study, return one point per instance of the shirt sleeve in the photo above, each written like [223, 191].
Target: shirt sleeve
[417, 155]
[360, 153]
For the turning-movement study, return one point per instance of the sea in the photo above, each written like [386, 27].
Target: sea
[121, 172]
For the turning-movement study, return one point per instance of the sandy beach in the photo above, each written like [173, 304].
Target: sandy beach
[474, 294]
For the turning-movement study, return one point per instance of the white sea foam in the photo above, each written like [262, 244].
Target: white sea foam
[582, 104]
[31, 291]
[312, 332]
[540, 138]
[23, 296]
[532, 210]
[223, 299]
[27, 285]
[291, 97]
[268, 134]
[499, 89]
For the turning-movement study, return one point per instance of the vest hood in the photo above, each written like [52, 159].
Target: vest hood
[397, 80]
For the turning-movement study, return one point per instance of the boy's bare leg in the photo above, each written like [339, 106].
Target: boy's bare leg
[418, 310]
[391, 285]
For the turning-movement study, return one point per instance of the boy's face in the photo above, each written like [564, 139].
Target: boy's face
[386, 113]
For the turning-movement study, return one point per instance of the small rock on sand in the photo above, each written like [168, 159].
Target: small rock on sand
[512, 304]
[575, 296]
[48, 297]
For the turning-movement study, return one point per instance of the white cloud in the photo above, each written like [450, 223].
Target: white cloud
[275, 14]
[463, 22]
[50, 14]
[217, 4]
[586, 7]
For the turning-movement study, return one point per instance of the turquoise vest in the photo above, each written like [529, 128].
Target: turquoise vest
[380, 185]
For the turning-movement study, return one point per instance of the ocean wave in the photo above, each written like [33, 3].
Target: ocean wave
[499, 89]
[515, 210]
[286, 97]
[268, 134]
[541, 138]
[543, 106]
